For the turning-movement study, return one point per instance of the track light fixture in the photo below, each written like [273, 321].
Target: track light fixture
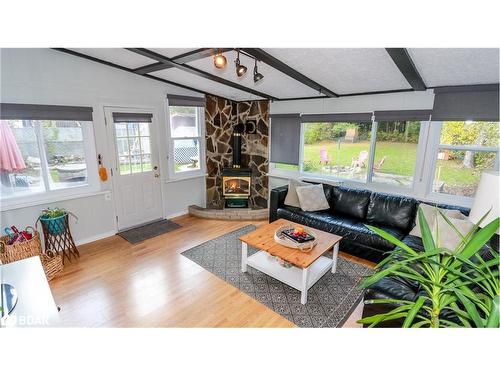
[256, 75]
[220, 60]
[240, 69]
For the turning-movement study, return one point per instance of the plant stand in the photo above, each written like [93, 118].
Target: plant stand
[62, 242]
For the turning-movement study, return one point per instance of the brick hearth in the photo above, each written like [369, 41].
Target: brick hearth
[230, 213]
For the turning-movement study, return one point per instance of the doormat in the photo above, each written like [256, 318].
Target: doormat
[329, 302]
[148, 231]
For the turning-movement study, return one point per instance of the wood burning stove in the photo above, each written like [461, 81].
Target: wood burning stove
[236, 181]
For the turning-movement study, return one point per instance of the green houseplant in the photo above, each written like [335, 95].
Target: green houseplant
[451, 279]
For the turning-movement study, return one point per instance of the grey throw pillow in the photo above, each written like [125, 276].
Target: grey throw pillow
[312, 198]
[291, 198]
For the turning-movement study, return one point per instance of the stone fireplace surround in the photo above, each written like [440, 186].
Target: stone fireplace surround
[220, 117]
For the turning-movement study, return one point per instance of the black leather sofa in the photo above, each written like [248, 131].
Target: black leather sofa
[350, 210]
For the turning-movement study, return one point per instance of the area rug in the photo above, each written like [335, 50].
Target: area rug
[147, 231]
[329, 302]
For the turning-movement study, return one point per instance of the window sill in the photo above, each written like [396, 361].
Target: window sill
[189, 177]
[14, 204]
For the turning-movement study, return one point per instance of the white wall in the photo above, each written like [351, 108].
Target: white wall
[44, 76]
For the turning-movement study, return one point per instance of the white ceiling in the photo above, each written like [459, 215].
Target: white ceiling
[191, 80]
[456, 66]
[341, 70]
[118, 56]
[171, 52]
[345, 70]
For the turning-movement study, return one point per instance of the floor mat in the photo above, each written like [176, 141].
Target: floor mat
[147, 231]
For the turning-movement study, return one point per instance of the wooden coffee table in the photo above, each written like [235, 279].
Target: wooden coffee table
[308, 267]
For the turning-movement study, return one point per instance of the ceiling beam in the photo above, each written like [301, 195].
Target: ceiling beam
[200, 73]
[183, 58]
[403, 61]
[104, 62]
[272, 61]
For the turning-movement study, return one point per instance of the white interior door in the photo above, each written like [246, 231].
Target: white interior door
[136, 174]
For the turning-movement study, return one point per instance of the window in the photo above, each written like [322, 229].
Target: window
[46, 155]
[186, 139]
[339, 149]
[396, 152]
[465, 149]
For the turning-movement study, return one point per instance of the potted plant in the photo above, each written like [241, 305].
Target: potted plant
[457, 279]
[54, 219]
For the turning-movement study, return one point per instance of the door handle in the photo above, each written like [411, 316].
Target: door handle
[155, 167]
[157, 175]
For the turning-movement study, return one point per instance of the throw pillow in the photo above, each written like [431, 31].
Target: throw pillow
[291, 198]
[430, 214]
[312, 198]
[445, 236]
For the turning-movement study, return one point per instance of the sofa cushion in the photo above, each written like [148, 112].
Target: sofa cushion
[348, 227]
[350, 202]
[391, 210]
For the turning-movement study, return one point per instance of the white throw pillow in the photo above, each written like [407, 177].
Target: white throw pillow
[312, 198]
[430, 214]
[292, 198]
[445, 236]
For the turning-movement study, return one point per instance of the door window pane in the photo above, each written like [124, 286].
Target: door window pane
[20, 179]
[396, 152]
[458, 172]
[338, 149]
[65, 152]
[134, 149]
[184, 121]
[186, 155]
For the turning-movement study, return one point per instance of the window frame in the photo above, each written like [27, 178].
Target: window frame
[428, 144]
[434, 146]
[51, 194]
[201, 171]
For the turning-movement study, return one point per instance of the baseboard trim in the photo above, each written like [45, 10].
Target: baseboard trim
[100, 236]
[113, 232]
[175, 214]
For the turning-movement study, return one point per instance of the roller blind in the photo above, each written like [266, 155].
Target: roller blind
[132, 117]
[459, 103]
[15, 111]
[185, 101]
[338, 117]
[411, 115]
[285, 138]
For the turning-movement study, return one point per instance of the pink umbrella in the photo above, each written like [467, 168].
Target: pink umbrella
[11, 159]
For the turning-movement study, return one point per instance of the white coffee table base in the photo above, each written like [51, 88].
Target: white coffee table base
[300, 279]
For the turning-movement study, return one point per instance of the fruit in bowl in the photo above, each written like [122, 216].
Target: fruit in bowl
[299, 231]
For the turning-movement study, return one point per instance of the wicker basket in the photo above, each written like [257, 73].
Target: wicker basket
[20, 250]
[52, 263]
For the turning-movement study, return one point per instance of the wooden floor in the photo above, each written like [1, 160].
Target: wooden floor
[117, 284]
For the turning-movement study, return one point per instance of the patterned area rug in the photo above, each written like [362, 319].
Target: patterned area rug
[329, 302]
